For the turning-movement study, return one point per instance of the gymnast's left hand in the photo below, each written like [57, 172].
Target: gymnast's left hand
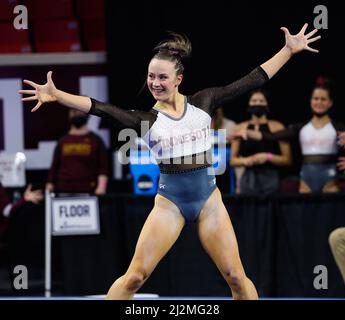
[300, 41]
[42, 93]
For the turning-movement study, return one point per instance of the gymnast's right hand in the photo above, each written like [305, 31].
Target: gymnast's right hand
[42, 93]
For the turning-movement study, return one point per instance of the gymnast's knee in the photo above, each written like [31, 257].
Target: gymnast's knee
[134, 280]
[235, 278]
[337, 237]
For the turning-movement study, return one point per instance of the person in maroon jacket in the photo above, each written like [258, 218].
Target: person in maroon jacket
[80, 163]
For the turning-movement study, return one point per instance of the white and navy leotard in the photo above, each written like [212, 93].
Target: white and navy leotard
[172, 140]
[182, 145]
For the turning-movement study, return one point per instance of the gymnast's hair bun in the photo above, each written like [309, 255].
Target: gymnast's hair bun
[175, 45]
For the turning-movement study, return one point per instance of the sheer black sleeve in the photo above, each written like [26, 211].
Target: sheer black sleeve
[213, 98]
[128, 118]
[286, 134]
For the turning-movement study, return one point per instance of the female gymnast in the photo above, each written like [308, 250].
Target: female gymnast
[179, 125]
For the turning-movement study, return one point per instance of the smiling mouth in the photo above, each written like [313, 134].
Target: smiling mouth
[157, 90]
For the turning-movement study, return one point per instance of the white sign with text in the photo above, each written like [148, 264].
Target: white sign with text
[75, 216]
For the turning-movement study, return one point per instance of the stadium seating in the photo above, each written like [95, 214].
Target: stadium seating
[12, 40]
[57, 36]
[54, 26]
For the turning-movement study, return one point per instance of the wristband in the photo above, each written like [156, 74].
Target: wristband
[269, 156]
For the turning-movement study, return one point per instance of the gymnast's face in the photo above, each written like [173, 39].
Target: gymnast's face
[162, 80]
[320, 101]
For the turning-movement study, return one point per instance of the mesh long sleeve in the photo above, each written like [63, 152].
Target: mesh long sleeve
[128, 118]
[212, 98]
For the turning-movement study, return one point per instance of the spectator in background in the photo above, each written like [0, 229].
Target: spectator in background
[7, 208]
[337, 236]
[318, 142]
[341, 139]
[221, 122]
[80, 161]
[341, 160]
[260, 159]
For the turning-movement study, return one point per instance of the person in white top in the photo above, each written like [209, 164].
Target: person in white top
[318, 141]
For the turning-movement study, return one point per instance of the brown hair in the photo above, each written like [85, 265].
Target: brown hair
[175, 48]
[262, 91]
[324, 84]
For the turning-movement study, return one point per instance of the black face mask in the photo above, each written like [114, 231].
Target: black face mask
[258, 110]
[320, 114]
[78, 121]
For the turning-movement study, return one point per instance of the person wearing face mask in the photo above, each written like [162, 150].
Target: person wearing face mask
[318, 142]
[260, 159]
[80, 163]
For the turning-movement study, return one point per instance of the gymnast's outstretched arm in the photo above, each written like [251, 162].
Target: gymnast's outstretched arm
[212, 98]
[49, 93]
[293, 44]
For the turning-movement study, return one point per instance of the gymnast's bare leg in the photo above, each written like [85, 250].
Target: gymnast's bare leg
[161, 229]
[218, 238]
